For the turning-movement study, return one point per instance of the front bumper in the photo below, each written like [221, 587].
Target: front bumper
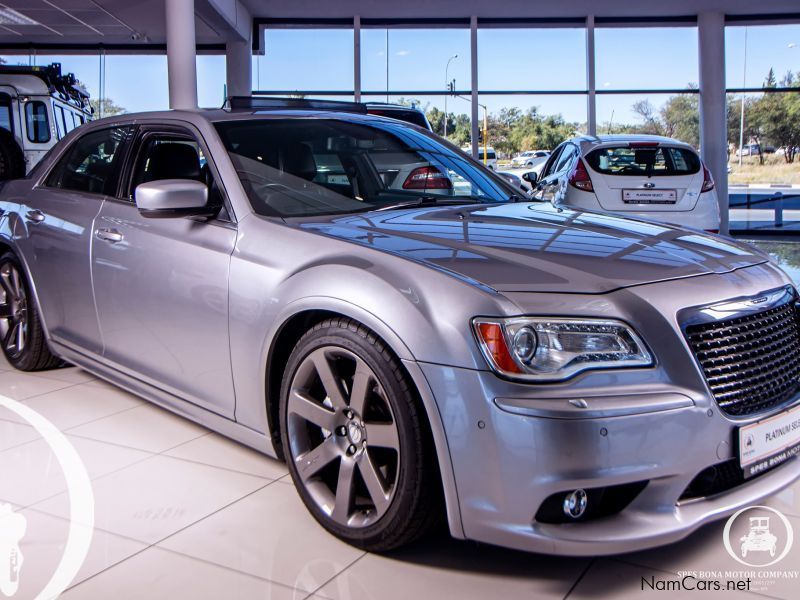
[509, 454]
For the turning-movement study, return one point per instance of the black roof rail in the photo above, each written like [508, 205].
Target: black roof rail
[275, 103]
[64, 84]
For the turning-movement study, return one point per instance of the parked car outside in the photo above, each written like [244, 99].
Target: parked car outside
[537, 376]
[529, 158]
[486, 156]
[409, 114]
[641, 176]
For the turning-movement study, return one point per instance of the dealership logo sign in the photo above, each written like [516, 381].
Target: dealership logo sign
[758, 536]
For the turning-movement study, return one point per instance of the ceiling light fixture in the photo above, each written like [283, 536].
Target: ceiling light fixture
[9, 16]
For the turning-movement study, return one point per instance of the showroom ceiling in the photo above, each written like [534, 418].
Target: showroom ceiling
[138, 25]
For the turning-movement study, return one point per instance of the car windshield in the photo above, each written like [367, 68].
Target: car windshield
[314, 166]
[648, 161]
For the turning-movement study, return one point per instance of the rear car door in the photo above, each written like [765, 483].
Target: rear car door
[161, 285]
[648, 176]
[55, 233]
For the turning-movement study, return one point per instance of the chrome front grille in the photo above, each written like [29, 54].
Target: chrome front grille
[751, 362]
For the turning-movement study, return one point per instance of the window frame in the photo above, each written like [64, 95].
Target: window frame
[29, 129]
[118, 162]
[136, 146]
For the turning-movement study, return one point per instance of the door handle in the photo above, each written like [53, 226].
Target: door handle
[109, 235]
[34, 216]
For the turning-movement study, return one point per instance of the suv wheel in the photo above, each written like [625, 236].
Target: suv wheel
[356, 443]
[21, 333]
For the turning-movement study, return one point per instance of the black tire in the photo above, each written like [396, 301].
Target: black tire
[12, 161]
[416, 504]
[35, 355]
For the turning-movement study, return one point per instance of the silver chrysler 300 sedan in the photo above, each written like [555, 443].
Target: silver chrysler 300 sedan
[354, 295]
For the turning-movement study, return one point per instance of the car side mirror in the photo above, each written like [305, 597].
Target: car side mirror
[530, 177]
[172, 198]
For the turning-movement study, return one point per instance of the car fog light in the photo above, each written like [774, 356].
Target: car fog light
[575, 504]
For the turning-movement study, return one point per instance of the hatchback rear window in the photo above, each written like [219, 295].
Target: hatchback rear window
[629, 161]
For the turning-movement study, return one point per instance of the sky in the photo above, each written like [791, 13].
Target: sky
[509, 59]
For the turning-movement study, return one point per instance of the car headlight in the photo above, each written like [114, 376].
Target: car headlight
[541, 349]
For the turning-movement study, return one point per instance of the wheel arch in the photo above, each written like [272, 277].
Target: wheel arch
[304, 316]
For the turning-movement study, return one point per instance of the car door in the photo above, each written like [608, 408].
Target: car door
[55, 233]
[545, 188]
[161, 284]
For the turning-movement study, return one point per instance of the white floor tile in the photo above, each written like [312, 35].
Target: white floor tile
[13, 434]
[43, 547]
[157, 574]
[70, 374]
[146, 427]
[156, 497]
[31, 472]
[446, 568]
[269, 534]
[19, 386]
[79, 404]
[217, 451]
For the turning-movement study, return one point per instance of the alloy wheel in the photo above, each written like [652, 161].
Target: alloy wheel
[343, 436]
[13, 311]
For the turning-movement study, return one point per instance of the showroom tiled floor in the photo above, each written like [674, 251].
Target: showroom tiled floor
[181, 512]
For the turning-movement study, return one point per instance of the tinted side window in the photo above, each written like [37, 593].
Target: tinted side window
[550, 167]
[5, 112]
[36, 122]
[91, 164]
[565, 160]
[58, 117]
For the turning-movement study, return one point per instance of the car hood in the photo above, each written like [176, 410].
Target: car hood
[525, 247]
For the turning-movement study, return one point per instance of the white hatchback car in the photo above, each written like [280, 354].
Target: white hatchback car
[530, 158]
[642, 176]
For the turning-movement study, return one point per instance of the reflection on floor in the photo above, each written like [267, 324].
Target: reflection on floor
[184, 513]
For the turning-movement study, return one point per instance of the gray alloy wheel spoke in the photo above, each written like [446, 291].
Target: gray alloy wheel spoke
[383, 435]
[362, 382]
[330, 381]
[310, 463]
[302, 405]
[5, 310]
[344, 490]
[374, 482]
[5, 281]
[20, 343]
[16, 283]
[11, 337]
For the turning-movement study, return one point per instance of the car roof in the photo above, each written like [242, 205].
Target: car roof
[214, 115]
[588, 142]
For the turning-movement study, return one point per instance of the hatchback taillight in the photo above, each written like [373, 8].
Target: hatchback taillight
[579, 177]
[427, 178]
[708, 180]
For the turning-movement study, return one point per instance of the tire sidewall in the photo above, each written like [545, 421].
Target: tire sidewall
[26, 358]
[401, 403]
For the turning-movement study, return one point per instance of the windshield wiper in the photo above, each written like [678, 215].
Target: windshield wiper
[428, 201]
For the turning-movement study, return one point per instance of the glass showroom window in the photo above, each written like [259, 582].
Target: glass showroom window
[531, 59]
[414, 59]
[151, 70]
[763, 128]
[527, 123]
[646, 58]
[305, 59]
[672, 115]
[210, 80]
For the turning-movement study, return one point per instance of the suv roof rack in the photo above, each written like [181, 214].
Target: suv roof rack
[66, 85]
[276, 103]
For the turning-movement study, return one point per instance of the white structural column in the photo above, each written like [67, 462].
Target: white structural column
[357, 58]
[473, 41]
[713, 118]
[181, 66]
[591, 86]
[239, 67]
